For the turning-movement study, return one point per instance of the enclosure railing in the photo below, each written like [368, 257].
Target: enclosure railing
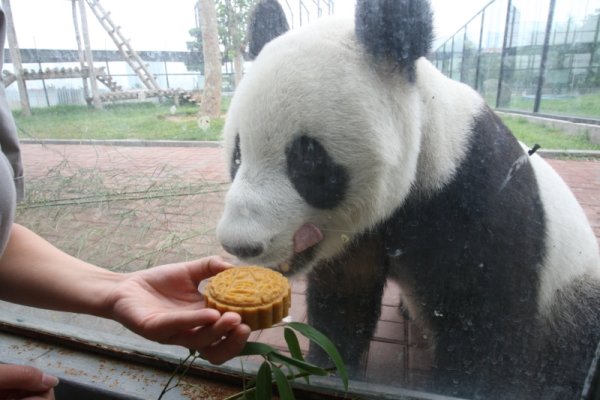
[532, 56]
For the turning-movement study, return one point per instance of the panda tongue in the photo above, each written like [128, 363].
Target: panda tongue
[307, 236]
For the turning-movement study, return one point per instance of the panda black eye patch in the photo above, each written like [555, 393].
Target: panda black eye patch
[315, 175]
[236, 158]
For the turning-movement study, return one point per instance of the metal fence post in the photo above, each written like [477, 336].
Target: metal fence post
[503, 54]
[541, 78]
[478, 68]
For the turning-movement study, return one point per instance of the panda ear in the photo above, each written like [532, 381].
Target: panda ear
[400, 30]
[267, 21]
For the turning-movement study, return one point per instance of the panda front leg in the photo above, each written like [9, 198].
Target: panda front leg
[344, 302]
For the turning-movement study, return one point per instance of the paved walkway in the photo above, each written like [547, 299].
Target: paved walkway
[394, 341]
[207, 164]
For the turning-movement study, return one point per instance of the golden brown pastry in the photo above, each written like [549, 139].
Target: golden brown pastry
[260, 295]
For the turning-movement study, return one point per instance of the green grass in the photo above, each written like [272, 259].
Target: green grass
[587, 105]
[151, 121]
[548, 138]
[148, 121]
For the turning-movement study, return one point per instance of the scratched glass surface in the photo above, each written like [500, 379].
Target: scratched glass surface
[417, 233]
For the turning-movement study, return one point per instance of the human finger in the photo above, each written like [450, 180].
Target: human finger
[170, 325]
[25, 377]
[229, 347]
[206, 267]
[205, 336]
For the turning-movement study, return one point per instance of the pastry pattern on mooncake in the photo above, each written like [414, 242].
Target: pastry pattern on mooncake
[260, 295]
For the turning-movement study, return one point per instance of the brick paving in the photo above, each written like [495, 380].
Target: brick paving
[395, 341]
[207, 164]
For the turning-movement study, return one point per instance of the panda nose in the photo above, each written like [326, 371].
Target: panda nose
[248, 251]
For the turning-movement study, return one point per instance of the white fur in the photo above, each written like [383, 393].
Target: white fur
[404, 136]
[447, 114]
[571, 247]
[281, 97]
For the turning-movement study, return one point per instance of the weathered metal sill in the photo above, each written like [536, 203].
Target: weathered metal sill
[96, 365]
[105, 366]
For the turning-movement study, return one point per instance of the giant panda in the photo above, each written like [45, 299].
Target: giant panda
[354, 161]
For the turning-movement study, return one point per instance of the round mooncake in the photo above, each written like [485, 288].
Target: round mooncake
[260, 295]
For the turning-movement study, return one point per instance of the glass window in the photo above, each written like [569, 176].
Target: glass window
[125, 169]
[472, 54]
[491, 50]
[457, 55]
[568, 86]
[571, 83]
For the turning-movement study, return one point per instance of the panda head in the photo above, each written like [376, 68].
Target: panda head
[323, 133]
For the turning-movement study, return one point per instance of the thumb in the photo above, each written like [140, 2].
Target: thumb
[206, 267]
[25, 377]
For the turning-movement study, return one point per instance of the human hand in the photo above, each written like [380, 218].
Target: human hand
[163, 304]
[25, 382]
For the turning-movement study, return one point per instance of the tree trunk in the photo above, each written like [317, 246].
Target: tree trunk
[238, 66]
[233, 28]
[211, 95]
[15, 55]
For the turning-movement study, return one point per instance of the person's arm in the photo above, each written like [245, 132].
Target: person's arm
[161, 303]
[35, 273]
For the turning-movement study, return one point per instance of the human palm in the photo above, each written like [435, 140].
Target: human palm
[163, 304]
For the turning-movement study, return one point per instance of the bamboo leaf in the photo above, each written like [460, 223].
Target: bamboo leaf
[283, 386]
[257, 349]
[301, 365]
[327, 345]
[263, 382]
[293, 345]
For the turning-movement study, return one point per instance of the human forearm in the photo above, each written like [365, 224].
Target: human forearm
[160, 303]
[33, 272]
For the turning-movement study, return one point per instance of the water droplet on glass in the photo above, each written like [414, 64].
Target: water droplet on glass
[396, 253]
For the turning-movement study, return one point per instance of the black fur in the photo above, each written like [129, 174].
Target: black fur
[315, 175]
[398, 29]
[473, 252]
[471, 255]
[344, 299]
[267, 21]
[236, 158]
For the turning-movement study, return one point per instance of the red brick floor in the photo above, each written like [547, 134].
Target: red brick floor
[395, 341]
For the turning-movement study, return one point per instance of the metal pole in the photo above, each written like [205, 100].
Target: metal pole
[478, 69]
[166, 74]
[595, 44]
[546, 49]
[462, 64]
[452, 58]
[503, 56]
